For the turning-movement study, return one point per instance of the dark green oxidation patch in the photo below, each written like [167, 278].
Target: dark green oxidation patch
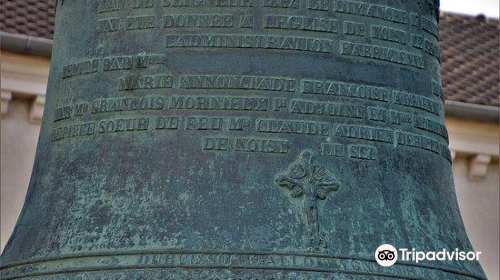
[241, 139]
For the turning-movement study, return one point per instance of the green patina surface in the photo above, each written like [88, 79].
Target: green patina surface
[240, 139]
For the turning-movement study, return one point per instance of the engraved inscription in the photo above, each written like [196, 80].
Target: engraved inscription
[318, 5]
[237, 82]
[362, 152]
[73, 130]
[286, 4]
[333, 149]
[126, 104]
[203, 123]
[321, 108]
[104, 6]
[63, 113]
[419, 141]
[355, 28]
[145, 82]
[382, 53]
[198, 21]
[79, 68]
[281, 18]
[416, 101]
[352, 113]
[364, 133]
[250, 41]
[123, 125]
[246, 144]
[215, 143]
[207, 3]
[111, 63]
[180, 265]
[371, 10]
[386, 33]
[301, 23]
[420, 119]
[272, 125]
[219, 103]
[167, 123]
[431, 126]
[292, 127]
[262, 145]
[345, 89]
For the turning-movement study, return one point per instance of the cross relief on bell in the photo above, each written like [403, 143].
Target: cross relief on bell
[312, 181]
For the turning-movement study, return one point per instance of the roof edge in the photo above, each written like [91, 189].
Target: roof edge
[25, 44]
[469, 111]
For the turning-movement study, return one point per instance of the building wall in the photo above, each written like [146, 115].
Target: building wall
[17, 148]
[23, 84]
[479, 202]
[476, 173]
[475, 147]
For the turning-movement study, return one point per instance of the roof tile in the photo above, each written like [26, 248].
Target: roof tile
[470, 51]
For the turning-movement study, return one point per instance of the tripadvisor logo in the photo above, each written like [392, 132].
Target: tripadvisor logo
[387, 255]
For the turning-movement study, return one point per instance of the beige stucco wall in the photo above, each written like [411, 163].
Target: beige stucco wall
[479, 202]
[18, 145]
[23, 84]
[25, 77]
[476, 175]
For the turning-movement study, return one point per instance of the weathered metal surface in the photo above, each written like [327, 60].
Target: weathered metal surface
[240, 139]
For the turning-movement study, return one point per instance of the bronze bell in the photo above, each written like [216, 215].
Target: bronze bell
[242, 139]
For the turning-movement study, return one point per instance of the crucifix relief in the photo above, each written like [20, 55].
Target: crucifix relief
[304, 178]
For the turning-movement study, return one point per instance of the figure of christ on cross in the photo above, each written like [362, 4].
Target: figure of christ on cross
[303, 178]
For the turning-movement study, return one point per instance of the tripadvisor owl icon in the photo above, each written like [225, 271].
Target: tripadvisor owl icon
[386, 255]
